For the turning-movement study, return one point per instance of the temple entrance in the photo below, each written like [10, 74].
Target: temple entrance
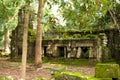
[85, 52]
[45, 52]
[61, 51]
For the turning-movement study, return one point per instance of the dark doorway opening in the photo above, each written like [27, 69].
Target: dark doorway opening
[85, 52]
[114, 78]
[61, 51]
[19, 51]
[45, 48]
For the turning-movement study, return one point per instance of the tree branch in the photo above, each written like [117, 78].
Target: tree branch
[114, 19]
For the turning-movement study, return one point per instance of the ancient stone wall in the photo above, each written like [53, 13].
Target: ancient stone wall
[17, 37]
[81, 48]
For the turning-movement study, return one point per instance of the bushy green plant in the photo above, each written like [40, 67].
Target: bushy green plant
[45, 59]
[8, 78]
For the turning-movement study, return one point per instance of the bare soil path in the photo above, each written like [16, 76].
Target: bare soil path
[12, 69]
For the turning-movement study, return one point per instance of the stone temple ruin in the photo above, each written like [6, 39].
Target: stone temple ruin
[89, 48]
[81, 48]
[71, 48]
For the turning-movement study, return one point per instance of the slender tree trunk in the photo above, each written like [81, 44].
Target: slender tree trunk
[24, 45]
[114, 19]
[6, 39]
[38, 47]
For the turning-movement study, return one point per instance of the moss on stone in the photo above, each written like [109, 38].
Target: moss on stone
[70, 76]
[76, 76]
[101, 79]
[107, 71]
[94, 78]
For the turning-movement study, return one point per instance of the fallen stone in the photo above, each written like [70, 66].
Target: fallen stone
[107, 71]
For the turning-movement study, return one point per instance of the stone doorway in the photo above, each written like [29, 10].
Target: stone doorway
[61, 51]
[45, 50]
[85, 53]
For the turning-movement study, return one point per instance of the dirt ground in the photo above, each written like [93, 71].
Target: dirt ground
[13, 69]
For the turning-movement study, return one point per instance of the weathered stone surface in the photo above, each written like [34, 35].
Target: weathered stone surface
[76, 76]
[72, 48]
[78, 55]
[69, 76]
[107, 71]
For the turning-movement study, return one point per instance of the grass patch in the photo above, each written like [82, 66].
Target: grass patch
[73, 62]
[62, 60]
[1, 78]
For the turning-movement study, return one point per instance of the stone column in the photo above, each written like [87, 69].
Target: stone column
[99, 54]
[68, 52]
[79, 51]
[48, 50]
[65, 52]
[55, 52]
[43, 52]
[90, 53]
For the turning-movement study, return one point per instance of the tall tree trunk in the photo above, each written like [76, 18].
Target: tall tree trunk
[6, 39]
[24, 45]
[38, 47]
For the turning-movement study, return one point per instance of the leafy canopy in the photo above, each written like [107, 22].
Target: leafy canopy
[64, 15]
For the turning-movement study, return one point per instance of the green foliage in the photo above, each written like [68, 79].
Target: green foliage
[8, 15]
[66, 36]
[118, 49]
[1, 39]
[92, 36]
[62, 15]
[8, 11]
[106, 21]
[76, 35]
[75, 14]
[31, 35]
[40, 78]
